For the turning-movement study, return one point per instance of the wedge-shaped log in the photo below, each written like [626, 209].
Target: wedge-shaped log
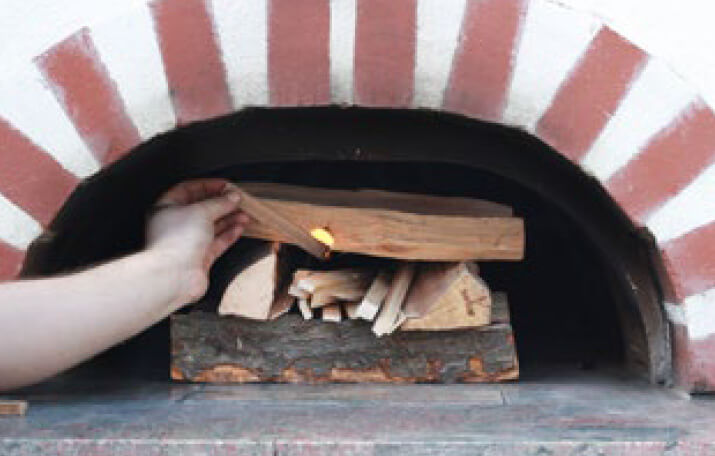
[402, 226]
[256, 285]
[447, 296]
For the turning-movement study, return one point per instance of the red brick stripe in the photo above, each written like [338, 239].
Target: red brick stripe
[483, 62]
[10, 261]
[385, 52]
[31, 178]
[690, 260]
[671, 160]
[89, 96]
[591, 93]
[299, 52]
[192, 60]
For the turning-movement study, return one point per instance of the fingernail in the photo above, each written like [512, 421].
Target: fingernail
[234, 197]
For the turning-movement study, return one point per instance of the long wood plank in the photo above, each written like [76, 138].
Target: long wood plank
[435, 233]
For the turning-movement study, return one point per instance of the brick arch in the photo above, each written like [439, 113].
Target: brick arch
[622, 115]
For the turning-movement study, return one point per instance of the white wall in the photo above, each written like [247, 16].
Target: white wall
[679, 31]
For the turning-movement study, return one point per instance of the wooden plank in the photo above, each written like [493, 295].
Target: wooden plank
[291, 349]
[13, 407]
[389, 316]
[256, 285]
[427, 235]
[309, 280]
[379, 199]
[447, 297]
[278, 221]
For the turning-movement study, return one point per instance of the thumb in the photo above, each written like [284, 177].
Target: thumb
[219, 206]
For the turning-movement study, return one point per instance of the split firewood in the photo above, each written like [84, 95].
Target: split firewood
[318, 300]
[305, 309]
[345, 292]
[253, 290]
[351, 309]
[292, 232]
[310, 281]
[430, 229]
[293, 290]
[390, 313]
[9, 407]
[281, 305]
[371, 303]
[447, 296]
[332, 313]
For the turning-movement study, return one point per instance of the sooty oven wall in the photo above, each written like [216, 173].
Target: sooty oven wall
[572, 298]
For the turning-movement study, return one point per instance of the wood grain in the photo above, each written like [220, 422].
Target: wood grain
[434, 231]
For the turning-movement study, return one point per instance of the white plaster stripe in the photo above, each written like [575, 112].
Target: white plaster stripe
[16, 227]
[439, 24]
[700, 311]
[128, 48]
[342, 49]
[242, 30]
[693, 207]
[553, 38]
[656, 98]
[31, 107]
[676, 314]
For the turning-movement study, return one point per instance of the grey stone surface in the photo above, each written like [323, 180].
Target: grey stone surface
[569, 414]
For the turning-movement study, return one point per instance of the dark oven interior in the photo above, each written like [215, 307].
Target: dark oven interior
[585, 297]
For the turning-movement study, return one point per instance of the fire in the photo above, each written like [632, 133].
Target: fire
[323, 235]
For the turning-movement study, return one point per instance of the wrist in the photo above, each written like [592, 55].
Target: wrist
[175, 275]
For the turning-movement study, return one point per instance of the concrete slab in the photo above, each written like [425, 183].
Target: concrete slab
[569, 414]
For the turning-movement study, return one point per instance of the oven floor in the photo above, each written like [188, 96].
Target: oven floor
[568, 413]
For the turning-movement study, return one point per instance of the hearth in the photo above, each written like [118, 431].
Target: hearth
[585, 296]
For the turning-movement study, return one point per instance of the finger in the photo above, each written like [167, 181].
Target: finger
[227, 221]
[222, 242]
[219, 206]
[191, 191]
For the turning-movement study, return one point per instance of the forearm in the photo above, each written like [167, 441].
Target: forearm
[52, 324]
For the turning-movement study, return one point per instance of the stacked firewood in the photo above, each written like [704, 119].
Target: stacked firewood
[405, 295]
[357, 266]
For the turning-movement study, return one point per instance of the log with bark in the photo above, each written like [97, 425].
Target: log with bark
[394, 225]
[209, 348]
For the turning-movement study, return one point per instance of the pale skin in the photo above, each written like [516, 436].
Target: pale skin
[49, 325]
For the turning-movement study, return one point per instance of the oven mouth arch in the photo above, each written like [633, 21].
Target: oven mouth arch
[274, 137]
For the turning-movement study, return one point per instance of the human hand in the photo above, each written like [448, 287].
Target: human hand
[193, 224]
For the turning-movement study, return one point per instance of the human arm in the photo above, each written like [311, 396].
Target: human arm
[48, 325]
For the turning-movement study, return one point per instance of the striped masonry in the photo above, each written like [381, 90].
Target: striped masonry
[192, 59]
[31, 178]
[385, 52]
[89, 96]
[298, 52]
[590, 94]
[672, 159]
[482, 65]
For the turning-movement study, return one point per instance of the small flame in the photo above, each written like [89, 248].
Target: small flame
[323, 235]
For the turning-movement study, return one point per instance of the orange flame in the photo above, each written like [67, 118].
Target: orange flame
[323, 235]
